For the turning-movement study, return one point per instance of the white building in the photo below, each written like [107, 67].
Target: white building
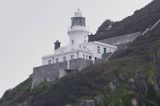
[78, 47]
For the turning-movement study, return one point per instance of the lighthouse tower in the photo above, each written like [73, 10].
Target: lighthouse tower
[78, 54]
[78, 32]
[78, 47]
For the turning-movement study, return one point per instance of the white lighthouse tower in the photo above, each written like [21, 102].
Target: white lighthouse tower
[78, 47]
[78, 32]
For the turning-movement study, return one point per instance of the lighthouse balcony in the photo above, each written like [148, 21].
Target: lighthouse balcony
[77, 29]
[65, 49]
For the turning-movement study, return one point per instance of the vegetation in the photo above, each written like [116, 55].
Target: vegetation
[139, 21]
[130, 73]
[16, 95]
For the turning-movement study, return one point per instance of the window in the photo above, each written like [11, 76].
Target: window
[64, 58]
[49, 61]
[53, 59]
[57, 60]
[90, 57]
[72, 57]
[83, 56]
[95, 58]
[98, 49]
[77, 55]
[105, 50]
[72, 41]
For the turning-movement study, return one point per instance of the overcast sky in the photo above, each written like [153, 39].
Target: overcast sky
[28, 29]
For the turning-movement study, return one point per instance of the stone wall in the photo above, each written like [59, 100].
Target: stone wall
[56, 71]
[79, 64]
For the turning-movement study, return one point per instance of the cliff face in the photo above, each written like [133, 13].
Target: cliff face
[128, 74]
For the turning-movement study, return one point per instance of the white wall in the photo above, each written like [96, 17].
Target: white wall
[79, 34]
[86, 49]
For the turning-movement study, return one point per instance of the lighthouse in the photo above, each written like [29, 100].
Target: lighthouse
[75, 56]
[78, 46]
[78, 33]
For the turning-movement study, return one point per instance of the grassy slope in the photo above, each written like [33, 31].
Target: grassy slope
[94, 80]
[139, 21]
[16, 95]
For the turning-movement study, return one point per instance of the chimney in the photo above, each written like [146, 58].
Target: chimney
[91, 38]
[57, 44]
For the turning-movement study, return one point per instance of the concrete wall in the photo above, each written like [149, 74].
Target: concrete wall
[47, 72]
[56, 71]
[121, 41]
[79, 64]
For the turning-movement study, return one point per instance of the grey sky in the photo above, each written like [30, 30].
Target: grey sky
[28, 29]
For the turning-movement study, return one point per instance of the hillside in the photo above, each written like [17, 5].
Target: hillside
[139, 62]
[139, 21]
[134, 72]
